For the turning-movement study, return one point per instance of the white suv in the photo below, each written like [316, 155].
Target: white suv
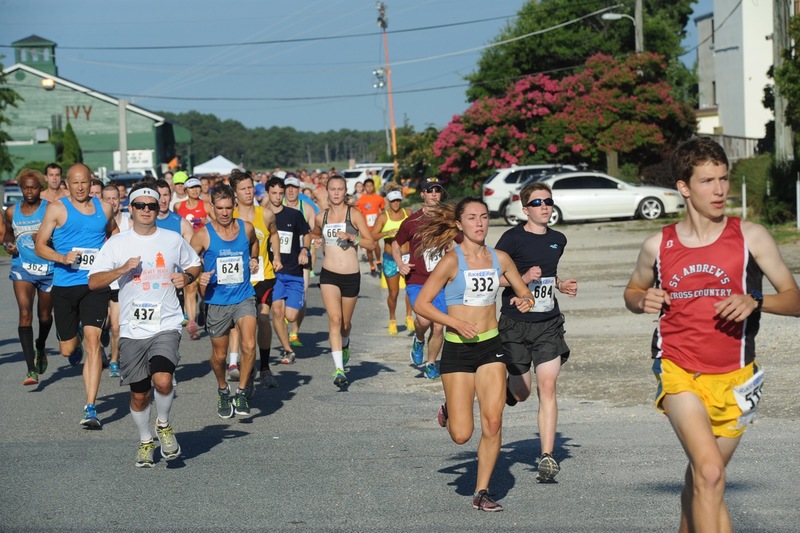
[499, 186]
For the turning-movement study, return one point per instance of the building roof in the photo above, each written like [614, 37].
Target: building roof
[33, 39]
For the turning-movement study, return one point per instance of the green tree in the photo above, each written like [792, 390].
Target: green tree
[71, 153]
[8, 98]
[787, 77]
[562, 51]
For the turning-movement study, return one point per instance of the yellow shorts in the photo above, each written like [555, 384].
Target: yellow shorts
[714, 390]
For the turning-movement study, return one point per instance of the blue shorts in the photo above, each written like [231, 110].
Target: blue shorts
[42, 283]
[290, 288]
[438, 302]
[389, 266]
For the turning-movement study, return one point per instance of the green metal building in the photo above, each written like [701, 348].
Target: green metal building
[49, 102]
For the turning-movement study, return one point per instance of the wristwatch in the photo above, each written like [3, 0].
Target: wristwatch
[759, 298]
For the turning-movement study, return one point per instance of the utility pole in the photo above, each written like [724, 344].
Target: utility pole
[638, 27]
[780, 43]
[383, 22]
[123, 135]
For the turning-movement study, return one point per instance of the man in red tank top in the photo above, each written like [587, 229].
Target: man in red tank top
[702, 276]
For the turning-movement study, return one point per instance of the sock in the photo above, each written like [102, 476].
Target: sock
[234, 358]
[44, 331]
[345, 342]
[26, 340]
[337, 359]
[142, 421]
[163, 406]
[264, 358]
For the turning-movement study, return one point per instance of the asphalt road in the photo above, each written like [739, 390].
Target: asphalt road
[373, 458]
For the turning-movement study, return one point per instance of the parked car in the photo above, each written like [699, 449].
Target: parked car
[359, 173]
[11, 194]
[587, 195]
[127, 179]
[498, 187]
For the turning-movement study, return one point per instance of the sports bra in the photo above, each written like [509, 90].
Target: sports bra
[330, 232]
[477, 287]
[392, 225]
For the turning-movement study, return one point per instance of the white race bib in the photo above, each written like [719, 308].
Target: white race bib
[331, 233]
[542, 290]
[37, 269]
[480, 287]
[406, 258]
[431, 259]
[259, 275]
[230, 270]
[145, 314]
[286, 241]
[371, 218]
[747, 397]
[85, 259]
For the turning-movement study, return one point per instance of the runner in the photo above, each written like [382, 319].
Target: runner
[31, 276]
[473, 362]
[340, 229]
[385, 228]
[537, 337]
[263, 220]
[703, 277]
[150, 317]
[229, 248]
[416, 268]
[289, 297]
[371, 205]
[179, 193]
[53, 191]
[78, 226]
[194, 210]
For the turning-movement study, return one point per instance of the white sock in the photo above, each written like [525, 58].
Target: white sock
[163, 406]
[337, 359]
[234, 358]
[142, 421]
[345, 342]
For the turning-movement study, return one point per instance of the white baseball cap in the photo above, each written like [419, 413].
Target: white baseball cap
[394, 195]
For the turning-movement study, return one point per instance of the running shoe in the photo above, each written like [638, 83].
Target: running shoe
[90, 420]
[547, 469]
[224, 403]
[294, 340]
[113, 370]
[393, 327]
[339, 379]
[312, 274]
[185, 319]
[346, 355]
[233, 373]
[144, 456]
[267, 379]
[250, 388]
[191, 329]
[431, 372]
[240, 404]
[417, 351]
[31, 378]
[170, 449]
[484, 502]
[410, 323]
[287, 358]
[441, 416]
[40, 361]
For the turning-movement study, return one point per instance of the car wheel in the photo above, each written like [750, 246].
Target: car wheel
[511, 220]
[650, 209]
[555, 217]
[502, 210]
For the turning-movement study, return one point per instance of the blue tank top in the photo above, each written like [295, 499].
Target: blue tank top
[172, 222]
[478, 287]
[85, 233]
[25, 227]
[230, 261]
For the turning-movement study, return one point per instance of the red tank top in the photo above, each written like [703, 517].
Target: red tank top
[688, 333]
[196, 216]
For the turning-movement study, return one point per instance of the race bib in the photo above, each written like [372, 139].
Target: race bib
[331, 233]
[480, 287]
[230, 270]
[431, 259]
[406, 258]
[542, 290]
[145, 313]
[286, 241]
[371, 218]
[259, 275]
[747, 397]
[37, 269]
[85, 259]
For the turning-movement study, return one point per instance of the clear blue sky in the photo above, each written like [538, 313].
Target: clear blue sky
[428, 89]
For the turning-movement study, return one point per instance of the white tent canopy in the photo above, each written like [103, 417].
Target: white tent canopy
[218, 165]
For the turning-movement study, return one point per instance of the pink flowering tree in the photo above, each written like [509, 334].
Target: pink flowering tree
[622, 105]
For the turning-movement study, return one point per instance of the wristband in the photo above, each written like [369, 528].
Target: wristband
[191, 278]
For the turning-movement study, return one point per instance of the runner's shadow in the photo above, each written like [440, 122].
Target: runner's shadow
[366, 369]
[188, 372]
[269, 401]
[196, 443]
[312, 345]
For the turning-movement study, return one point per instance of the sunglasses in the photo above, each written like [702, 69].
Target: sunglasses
[434, 189]
[536, 202]
[145, 205]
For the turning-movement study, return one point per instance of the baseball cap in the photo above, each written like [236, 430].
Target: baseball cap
[180, 177]
[279, 174]
[394, 195]
[291, 181]
[193, 182]
[431, 183]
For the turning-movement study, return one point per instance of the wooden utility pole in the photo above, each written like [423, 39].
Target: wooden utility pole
[780, 43]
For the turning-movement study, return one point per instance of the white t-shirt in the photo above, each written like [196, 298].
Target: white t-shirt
[148, 303]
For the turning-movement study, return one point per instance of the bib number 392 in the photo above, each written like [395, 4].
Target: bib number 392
[747, 395]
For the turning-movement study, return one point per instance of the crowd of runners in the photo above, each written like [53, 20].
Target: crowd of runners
[125, 271]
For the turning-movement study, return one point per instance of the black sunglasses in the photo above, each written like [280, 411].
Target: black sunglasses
[145, 205]
[433, 189]
[536, 202]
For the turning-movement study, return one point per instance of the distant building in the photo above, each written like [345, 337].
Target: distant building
[50, 102]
